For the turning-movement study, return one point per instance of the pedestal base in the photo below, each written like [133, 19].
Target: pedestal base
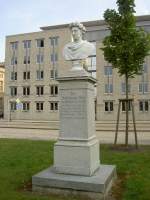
[76, 157]
[95, 187]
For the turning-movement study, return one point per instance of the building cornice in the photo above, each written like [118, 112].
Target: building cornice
[92, 23]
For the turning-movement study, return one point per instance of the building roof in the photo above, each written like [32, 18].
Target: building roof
[92, 23]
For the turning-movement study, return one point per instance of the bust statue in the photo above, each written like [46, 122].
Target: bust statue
[78, 49]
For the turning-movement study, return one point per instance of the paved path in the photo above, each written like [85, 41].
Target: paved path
[36, 134]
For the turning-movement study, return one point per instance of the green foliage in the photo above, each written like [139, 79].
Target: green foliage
[126, 46]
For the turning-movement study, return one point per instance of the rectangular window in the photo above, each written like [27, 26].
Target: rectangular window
[26, 60]
[39, 90]
[39, 59]
[14, 61]
[26, 91]
[1, 75]
[26, 106]
[13, 76]
[1, 86]
[143, 87]
[26, 75]
[54, 57]
[123, 88]
[27, 44]
[54, 90]
[54, 41]
[109, 106]
[14, 45]
[108, 70]
[39, 106]
[39, 75]
[13, 106]
[53, 106]
[143, 105]
[91, 65]
[124, 106]
[40, 42]
[145, 68]
[13, 91]
[53, 74]
[108, 88]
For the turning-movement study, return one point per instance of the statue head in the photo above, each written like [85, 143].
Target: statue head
[77, 30]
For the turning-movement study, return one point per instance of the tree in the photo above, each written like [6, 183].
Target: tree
[126, 46]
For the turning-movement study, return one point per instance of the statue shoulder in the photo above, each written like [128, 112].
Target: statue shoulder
[68, 45]
[88, 43]
[89, 47]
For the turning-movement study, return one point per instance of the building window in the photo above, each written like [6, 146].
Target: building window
[39, 90]
[1, 75]
[14, 45]
[143, 105]
[14, 61]
[53, 106]
[13, 106]
[13, 91]
[108, 88]
[53, 73]
[26, 75]
[143, 87]
[54, 57]
[91, 65]
[39, 75]
[124, 106]
[1, 86]
[26, 106]
[145, 68]
[26, 91]
[27, 44]
[26, 60]
[54, 41]
[39, 106]
[13, 76]
[123, 88]
[109, 106]
[54, 90]
[40, 43]
[108, 70]
[39, 59]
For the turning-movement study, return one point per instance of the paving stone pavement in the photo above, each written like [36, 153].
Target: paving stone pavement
[103, 136]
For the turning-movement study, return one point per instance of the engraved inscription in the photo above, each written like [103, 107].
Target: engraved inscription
[72, 105]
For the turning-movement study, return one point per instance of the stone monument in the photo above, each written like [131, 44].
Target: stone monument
[76, 168]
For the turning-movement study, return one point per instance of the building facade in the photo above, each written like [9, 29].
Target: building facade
[2, 75]
[34, 61]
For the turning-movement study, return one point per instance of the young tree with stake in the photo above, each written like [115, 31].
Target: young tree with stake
[127, 46]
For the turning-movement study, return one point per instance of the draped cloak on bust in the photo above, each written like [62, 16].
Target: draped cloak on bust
[78, 50]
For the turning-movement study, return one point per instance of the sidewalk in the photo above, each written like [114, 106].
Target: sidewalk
[103, 136]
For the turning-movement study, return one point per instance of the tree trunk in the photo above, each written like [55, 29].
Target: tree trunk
[127, 110]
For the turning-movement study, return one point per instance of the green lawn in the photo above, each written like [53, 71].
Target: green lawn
[20, 159]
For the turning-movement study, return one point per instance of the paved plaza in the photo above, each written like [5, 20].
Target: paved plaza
[39, 134]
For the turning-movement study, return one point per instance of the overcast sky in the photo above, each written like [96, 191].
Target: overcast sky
[22, 16]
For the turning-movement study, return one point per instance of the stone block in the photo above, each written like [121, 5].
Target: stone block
[72, 157]
[95, 187]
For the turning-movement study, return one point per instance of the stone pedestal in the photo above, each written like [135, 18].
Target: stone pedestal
[77, 149]
[76, 153]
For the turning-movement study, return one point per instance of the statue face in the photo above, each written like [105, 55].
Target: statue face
[76, 34]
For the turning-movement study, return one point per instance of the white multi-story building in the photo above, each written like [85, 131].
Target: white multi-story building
[2, 73]
[34, 60]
